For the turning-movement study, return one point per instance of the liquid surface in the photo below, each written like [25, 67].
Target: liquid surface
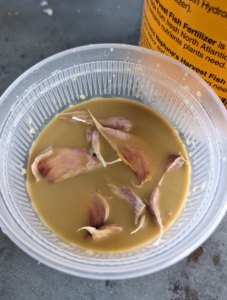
[63, 206]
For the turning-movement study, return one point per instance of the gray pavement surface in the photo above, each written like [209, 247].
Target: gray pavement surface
[28, 35]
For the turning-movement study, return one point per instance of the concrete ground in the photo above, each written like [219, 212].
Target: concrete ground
[28, 35]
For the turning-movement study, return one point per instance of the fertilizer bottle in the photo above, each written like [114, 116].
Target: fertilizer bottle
[192, 31]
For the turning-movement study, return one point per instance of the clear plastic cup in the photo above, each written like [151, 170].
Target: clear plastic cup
[112, 70]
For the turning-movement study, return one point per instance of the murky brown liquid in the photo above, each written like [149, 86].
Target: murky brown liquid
[63, 206]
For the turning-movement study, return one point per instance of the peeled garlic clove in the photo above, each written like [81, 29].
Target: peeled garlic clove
[153, 206]
[34, 166]
[142, 220]
[174, 162]
[93, 137]
[131, 149]
[64, 163]
[98, 210]
[128, 195]
[82, 116]
[102, 232]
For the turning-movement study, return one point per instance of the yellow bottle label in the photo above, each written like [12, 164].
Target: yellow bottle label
[192, 31]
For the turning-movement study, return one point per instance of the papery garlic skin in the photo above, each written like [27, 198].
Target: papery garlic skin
[102, 232]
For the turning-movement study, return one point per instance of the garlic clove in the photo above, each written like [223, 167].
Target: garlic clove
[62, 163]
[128, 195]
[119, 123]
[130, 148]
[102, 232]
[98, 210]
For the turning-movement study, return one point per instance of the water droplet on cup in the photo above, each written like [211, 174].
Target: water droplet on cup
[106, 53]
